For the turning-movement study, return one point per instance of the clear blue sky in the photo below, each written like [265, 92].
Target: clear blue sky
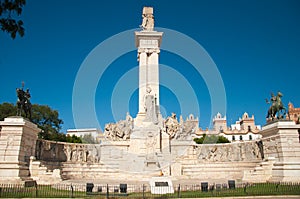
[254, 44]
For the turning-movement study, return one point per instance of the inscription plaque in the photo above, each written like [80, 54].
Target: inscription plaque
[148, 43]
[161, 184]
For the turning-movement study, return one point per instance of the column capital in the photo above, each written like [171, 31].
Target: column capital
[149, 50]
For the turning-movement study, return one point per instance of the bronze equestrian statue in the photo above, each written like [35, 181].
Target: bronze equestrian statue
[277, 110]
[23, 102]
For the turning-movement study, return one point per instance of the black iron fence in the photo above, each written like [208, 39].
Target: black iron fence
[91, 190]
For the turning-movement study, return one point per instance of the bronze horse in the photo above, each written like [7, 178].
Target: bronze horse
[276, 109]
[23, 103]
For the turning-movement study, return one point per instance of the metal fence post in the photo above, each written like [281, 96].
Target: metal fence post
[277, 186]
[245, 188]
[143, 191]
[72, 191]
[36, 190]
[107, 191]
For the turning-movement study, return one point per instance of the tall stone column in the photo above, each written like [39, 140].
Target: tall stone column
[142, 80]
[147, 138]
[148, 44]
[153, 73]
[17, 143]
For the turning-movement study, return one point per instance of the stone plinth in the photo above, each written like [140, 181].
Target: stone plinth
[17, 143]
[161, 185]
[281, 142]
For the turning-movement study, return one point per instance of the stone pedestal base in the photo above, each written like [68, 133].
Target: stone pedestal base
[138, 121]
[17, 143]
[281, 141]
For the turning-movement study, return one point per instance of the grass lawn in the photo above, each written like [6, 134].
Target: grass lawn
[65, 191]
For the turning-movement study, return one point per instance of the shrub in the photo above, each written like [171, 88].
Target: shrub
[211, 139]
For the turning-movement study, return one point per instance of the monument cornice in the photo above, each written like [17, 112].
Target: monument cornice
[18, 121]
[148, 35]
[274, 128]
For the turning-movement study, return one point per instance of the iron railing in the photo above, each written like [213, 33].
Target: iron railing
[91, 190]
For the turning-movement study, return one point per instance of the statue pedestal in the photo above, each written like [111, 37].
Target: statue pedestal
[144, 148]
[148, 150]
[281, 141]
[17, 143]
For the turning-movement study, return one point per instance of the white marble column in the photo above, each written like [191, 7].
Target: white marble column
[142, 80]
[148, 44]
[153, 74]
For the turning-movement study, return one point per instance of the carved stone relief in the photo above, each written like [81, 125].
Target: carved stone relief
[246, 151]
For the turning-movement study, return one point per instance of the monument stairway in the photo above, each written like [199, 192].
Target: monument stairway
[98, 171]
[49, 165]
[71, 170]
[213, 170]
[262, 172]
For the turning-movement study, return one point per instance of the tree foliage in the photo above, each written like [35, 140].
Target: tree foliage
[89, 139]
[6, 110]
[45, 118]
[9, 10]
[211, 139]
[73, 139]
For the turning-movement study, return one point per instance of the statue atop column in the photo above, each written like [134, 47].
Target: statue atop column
[148, 19]
[148, 44]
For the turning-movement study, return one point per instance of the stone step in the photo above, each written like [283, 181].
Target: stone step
[90, 171]
[218, 166]
[210, 169]
[90, 166]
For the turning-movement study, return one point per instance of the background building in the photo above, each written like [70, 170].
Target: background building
[294, 113]
[97, 134]
[244, 129]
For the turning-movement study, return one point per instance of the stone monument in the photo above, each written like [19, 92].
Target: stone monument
[149, 147]
[18, 138]
[148, 42]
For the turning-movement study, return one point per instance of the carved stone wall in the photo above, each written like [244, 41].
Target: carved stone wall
[67, 152]
[243, 151]
[50, 151]
[182, 159]
[182, 130]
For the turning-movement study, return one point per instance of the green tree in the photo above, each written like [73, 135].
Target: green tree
[73, 139]
[9, 11]
[200, 140]
[6, 110]
[46, 118]
[89, 139]
[223, 139]
[211, 139]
